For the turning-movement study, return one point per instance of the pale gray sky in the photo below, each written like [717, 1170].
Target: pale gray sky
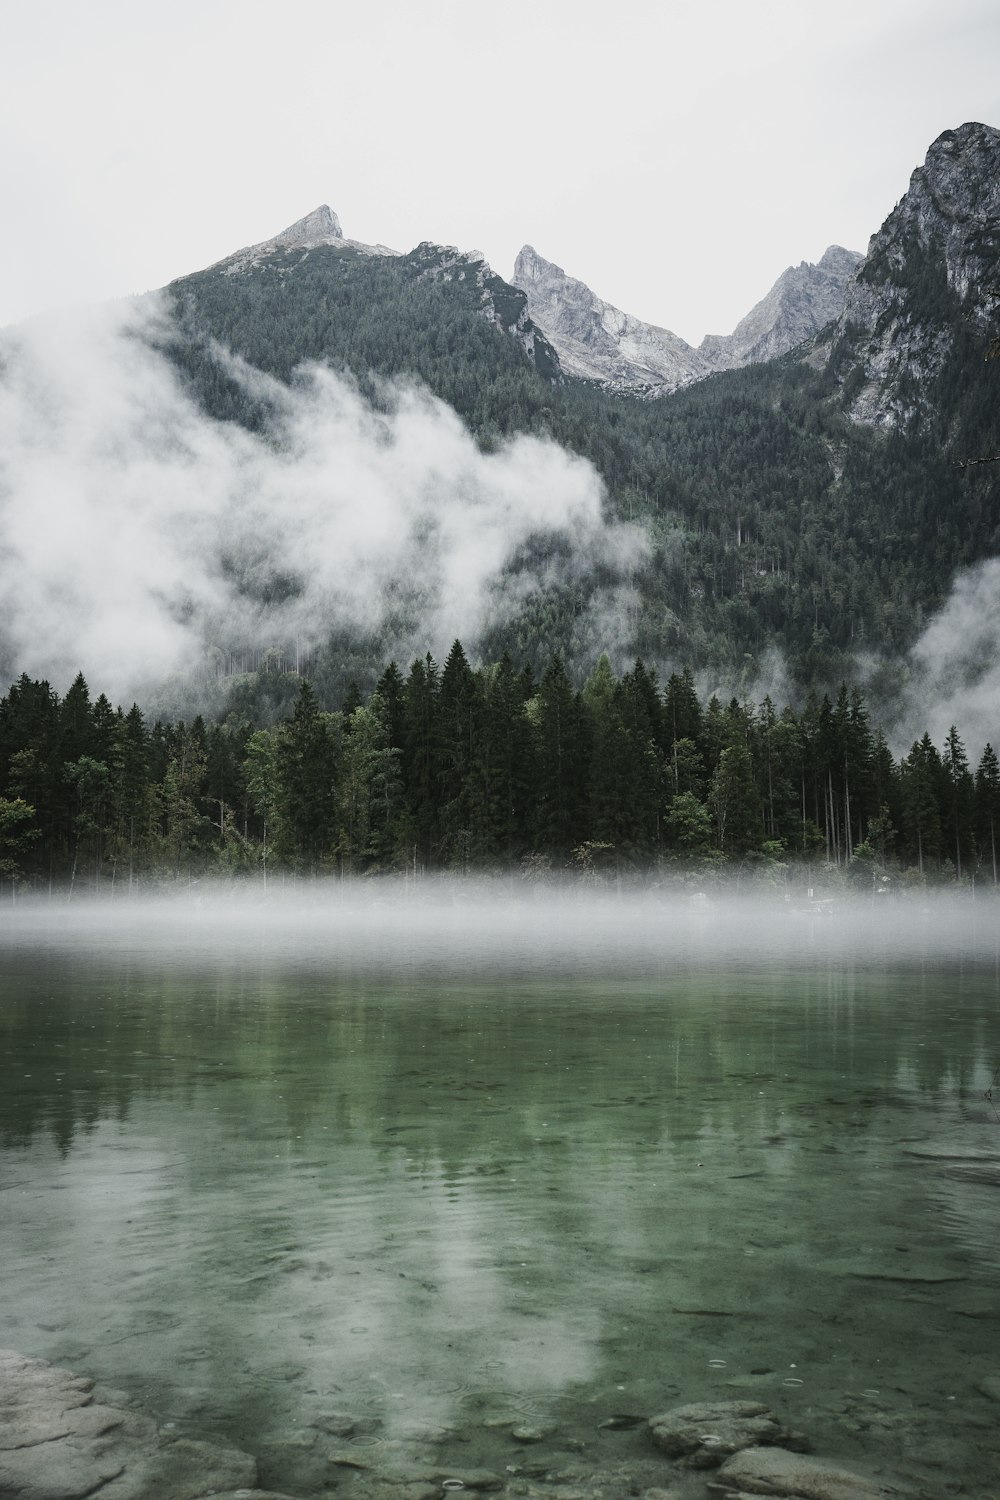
[674, 154]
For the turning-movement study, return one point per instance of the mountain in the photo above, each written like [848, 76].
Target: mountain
[802, 301]
[916, 318]
[598, 342]
[810, 502]
[808, 507]
[310, 294]
[321, 227]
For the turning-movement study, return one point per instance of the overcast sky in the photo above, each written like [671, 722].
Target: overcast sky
[674, 154]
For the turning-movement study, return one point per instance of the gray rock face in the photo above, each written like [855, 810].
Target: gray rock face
[596, 341]
[775, 1471]
[931, 264]
[321, 227]
[58, 1443]
[802, 301]
[705, 1433]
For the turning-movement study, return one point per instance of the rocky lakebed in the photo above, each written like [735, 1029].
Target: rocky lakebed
[64, 1438]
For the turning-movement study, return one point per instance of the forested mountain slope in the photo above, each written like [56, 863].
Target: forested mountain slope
[782, 504]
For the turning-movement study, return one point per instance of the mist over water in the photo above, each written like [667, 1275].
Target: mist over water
[504, 926]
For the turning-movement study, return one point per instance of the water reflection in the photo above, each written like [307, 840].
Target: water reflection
[422, 1205]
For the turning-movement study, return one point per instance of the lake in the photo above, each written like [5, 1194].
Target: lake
[353, 1180]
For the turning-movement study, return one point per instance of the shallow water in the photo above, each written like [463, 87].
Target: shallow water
[373, 1210]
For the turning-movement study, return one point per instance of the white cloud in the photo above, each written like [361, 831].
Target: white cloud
[953, 675]
[135, 533]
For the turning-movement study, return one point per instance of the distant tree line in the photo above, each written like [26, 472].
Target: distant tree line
[487, 769]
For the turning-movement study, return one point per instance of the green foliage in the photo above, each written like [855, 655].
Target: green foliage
[477, 768]
[15, 835]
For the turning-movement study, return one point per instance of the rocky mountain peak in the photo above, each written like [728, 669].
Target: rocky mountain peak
[321, 227]
[838, 260]
[930, 269]
[530, 266]
[804, 299]
[960, 171]
[595, 340]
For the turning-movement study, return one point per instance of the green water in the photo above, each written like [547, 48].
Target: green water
[271, 1199]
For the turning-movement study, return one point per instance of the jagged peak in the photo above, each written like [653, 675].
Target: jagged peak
[972, 132]
[529, 265]
[316, 228]
[836, 258]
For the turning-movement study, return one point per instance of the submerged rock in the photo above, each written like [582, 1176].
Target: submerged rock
[704, 1433]
[58, 1443]
[776, 1471]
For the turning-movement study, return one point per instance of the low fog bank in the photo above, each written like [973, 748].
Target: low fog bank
[142, 538]
[494, 927]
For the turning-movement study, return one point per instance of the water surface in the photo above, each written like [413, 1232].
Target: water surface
[334, 1197]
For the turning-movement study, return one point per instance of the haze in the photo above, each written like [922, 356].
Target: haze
[480, 929]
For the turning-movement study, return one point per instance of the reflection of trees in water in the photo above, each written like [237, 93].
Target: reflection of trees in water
[463, 1072]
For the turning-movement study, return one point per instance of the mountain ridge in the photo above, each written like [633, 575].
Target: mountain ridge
[599, 342]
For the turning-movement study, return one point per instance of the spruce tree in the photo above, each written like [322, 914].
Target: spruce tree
[988, 808]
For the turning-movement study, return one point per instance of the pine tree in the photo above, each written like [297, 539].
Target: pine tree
[988, 808]
[920, 789]
[682, 716]
[561, 756]
[422, 759]
[307, 764]
[960, 808]
[459, 710]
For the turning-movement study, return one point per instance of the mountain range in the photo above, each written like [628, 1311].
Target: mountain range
[598, 342]
[807, 485]
[593, 340]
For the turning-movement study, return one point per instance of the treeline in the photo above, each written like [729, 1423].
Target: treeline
[486, 769]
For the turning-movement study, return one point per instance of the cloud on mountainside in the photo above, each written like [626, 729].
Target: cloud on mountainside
[136, 533]
[953, 669]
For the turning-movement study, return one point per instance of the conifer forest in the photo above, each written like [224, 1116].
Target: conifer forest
[487, 769]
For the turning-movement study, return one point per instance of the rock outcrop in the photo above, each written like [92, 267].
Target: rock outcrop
[596, 341]
[931, 269]
[804, 299]
[321, 227]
